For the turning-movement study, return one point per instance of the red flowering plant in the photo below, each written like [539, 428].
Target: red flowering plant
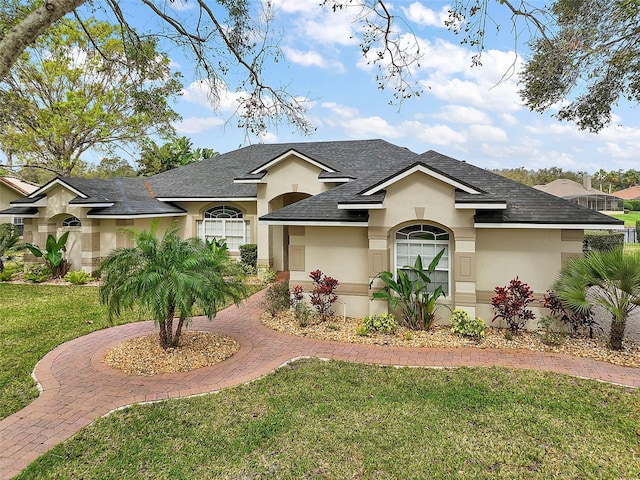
[323, 295]
[296, 295]
[510, 303]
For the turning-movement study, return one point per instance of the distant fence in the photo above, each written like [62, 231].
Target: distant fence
[630, 235]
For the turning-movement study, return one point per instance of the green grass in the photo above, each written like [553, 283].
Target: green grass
[34, 319]
[629, 218]
[332, 420]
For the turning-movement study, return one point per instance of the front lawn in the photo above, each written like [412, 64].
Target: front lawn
[34, 319]
[629, 218]
[331, 420]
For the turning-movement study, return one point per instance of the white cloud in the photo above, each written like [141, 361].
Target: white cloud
[418, 13]
[199, 93]
[439, 134]
[194, 125]
[487, 133]
[296, 6]
[509, 120]
[310, 58]
[182, 5]
[460, 114]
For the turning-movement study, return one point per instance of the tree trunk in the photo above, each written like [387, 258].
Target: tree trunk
[176, 337]
[617, 334]
[163, 335]
[25, 32]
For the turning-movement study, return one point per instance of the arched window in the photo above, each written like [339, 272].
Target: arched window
[224, 222]
[70, 222]
[426, 241]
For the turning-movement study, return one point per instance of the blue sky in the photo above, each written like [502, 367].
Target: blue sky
[470, 113]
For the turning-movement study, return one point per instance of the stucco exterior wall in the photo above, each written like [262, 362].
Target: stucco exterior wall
[534, 255]
[341, 253]
[7, 195]
[290, 175]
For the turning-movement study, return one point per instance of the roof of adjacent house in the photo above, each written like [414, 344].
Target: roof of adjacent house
[364, 168]
[565, 188]
[631, 193]
[20, 186]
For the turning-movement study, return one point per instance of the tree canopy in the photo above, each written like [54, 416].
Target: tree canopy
[175, 153]
[74, 91]
[583, 52]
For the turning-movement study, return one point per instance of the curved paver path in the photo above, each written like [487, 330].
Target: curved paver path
[77, 387]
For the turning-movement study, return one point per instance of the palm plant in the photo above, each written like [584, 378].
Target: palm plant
[410, 291]
[9, 242]
[168, 277]
[610, 279]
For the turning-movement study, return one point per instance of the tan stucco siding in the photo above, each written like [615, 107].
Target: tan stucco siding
[291, 175]
[341, 253]
[7, 195]
[534, 255]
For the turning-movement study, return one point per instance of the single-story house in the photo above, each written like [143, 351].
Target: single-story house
[631, 193]
[349, 208]
[13, 189]
[583, 194]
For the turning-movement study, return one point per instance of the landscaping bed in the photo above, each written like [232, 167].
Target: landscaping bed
[341, 330]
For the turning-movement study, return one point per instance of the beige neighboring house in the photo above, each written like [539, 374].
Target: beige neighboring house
[583, 194]
[349, 208]
[631, 193]
[13, 189]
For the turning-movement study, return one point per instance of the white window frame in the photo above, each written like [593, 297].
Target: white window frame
[18, 223]
[224, 217]
[70, 221]
[439, 244]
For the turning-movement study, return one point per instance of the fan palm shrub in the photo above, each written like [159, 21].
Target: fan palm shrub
[610, 279]
[168, 277]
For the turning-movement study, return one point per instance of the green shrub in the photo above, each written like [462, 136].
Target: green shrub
[36, 272]
[602, 241]
[78, 277]
[637, 230]
[462, 324]
[549, 336]
[249, 255]
[361, 330]
[276, 299]
[302, 313]
[267, 275]
[385, 323]
[6, 275]
[632, 205]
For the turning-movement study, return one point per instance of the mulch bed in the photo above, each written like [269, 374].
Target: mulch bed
[341, 330]
[144, 355]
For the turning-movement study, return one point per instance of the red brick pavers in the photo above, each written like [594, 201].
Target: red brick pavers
[77, 387]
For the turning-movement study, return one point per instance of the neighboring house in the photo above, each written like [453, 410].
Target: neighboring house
[351, 209]
[13, 189]
[631, 193]
[583, 195]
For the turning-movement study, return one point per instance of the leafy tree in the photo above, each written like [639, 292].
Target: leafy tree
[76, 90]
[610, 279]
[111, 167]
[584, 52]
[176, 153]
[9, 242]
[168, 277]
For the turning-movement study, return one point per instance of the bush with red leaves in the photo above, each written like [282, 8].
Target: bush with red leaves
[510, 304]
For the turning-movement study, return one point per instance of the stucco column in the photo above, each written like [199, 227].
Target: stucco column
[90, 244]
[464, 273]
[263, 240]
[378, 257]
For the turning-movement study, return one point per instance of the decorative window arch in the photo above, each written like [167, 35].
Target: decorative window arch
[427, 241]
[225, 222]
[70, 221]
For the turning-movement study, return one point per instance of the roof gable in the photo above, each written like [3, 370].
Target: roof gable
[293, 152]
[19, 186]
[422, 168]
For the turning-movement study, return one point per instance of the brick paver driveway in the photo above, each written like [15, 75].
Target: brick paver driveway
[77, 387]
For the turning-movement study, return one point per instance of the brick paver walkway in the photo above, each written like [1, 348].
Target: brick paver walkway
[77, 387]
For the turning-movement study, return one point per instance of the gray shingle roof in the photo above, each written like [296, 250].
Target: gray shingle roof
[524, 204]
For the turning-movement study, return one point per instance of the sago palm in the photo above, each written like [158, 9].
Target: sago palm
[168, 277]
[610, 279]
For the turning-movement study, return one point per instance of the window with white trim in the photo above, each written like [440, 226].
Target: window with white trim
[71, 221]
[18, 223]
[426, 241]
[224, 222]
